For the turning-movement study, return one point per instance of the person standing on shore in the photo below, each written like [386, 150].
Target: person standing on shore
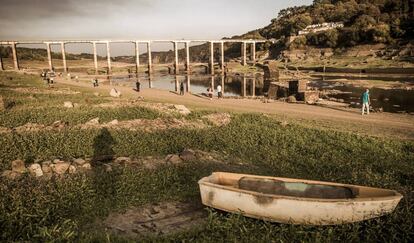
[138, 86]
[219, 92]
[182, 88]
[365, 101]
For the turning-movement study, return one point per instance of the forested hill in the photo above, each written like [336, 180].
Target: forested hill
[365, 22]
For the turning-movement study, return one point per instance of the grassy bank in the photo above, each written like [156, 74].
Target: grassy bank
[66, 208]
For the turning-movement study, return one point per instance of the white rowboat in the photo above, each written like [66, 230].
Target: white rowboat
[295, 201]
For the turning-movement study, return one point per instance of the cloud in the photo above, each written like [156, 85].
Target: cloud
[33, 10]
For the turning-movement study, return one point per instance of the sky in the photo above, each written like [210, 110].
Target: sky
[135, 19]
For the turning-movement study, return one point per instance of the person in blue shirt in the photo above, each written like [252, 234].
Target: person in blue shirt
[365, 101]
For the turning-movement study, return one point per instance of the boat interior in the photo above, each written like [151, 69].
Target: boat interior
[296, 188]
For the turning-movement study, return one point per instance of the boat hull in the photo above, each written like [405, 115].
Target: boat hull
[294, 210]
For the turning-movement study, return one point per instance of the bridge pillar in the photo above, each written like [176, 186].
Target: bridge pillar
[1, 63]
[244, 58]
[95, 58]
[176, 68]
[188, 86]
[222, 84]
[136, 56]
[49, 56]
[222, 56]
[14, 52]
[177, 84]
[253, 51]
[149, 57]
[212, 83]
[108, 55]
[244, 86]
[62, 48]
[253, 87]
[211, 57]
[187, 57]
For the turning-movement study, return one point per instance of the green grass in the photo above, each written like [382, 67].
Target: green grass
[65, 209]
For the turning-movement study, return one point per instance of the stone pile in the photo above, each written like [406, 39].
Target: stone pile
[47, 168]
[57, 167]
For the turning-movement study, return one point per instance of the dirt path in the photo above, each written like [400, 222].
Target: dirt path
[377, 124]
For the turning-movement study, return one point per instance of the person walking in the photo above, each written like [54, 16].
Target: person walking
[138, 86]
[219, 92]
[366, 102]
[182, 88]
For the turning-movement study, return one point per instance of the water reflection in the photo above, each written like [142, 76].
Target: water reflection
[232, 85]
[391, 100]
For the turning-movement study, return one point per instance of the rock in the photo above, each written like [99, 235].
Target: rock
[79, 161]
[115, 93]
[18, 166]
[94, 121]
[46, 166]
[218, 119]
[72, 169]
[108, 167]
[61, 167]
[59, 124]
[122, 160]
[182, 109]
[35, 170]
[291, 99]
[173, 159]
[97, 94]
[76, 105]
[68, 104]
[113, 122]
[87, 166]
[11, 175]
[188, 155]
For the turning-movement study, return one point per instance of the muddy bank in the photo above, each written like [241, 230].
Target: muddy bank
[391, 70]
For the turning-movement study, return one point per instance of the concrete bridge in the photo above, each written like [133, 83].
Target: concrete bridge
[94, 43]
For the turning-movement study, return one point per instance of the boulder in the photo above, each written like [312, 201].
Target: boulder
[61, 167]
[291, 99]
[173, 159]
[87, 166]
[11, 175]
[122, 160]
[59, 124]
[182, 109]
[68, 104]
[113, 122]
[188, 155]
[115, 93]
[46, 166]
[108, 167]
[35, 170]
[72, 169]
[94, 121]
[79, 161]
[18, 166]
